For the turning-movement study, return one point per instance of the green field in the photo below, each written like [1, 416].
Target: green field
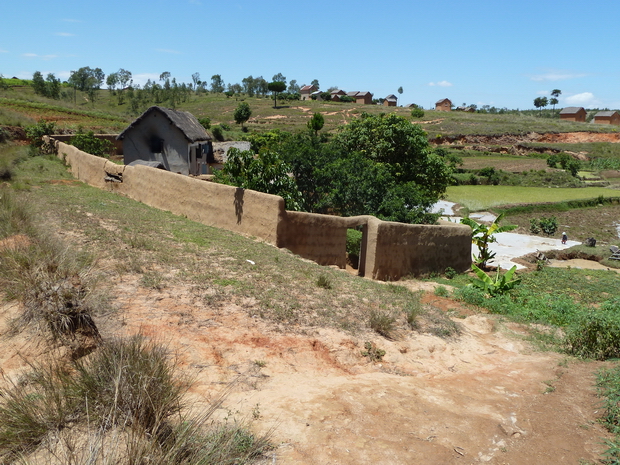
[477, 198]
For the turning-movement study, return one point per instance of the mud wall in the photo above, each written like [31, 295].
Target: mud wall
[398, 249]
[389, 250]
[239, 210]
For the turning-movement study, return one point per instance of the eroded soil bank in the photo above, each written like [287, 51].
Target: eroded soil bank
[484, 396]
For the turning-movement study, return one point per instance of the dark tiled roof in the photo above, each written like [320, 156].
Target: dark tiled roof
[183, 120]
[605, 114]
[571, 110]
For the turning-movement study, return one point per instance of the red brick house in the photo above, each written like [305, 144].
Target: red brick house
[607, 117]
[336, 94]
[577, 114]
[443, 105]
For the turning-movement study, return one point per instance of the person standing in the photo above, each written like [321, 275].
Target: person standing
[564, 238]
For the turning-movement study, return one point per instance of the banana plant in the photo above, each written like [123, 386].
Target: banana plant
[498, 285]
[482, 235]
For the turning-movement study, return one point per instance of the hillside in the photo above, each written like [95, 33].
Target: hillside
[333, 368]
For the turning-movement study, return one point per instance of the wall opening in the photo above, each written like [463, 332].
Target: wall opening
[356, 248]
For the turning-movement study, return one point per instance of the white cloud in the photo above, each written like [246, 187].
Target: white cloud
[68, 20]
[43, 57]
[143, 77]
[167, 50]
[440, 84]
[3, 51]
[585, 99]
[557, 76]
[64, 34]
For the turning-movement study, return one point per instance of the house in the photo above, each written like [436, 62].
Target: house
[390, 101]
[174, 138]
[607, 117]
[466, 109]
[336, 94]
[364, 98]
[443, 105]
[577, 114]
[306, 91]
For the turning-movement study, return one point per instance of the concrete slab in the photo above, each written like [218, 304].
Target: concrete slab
[511, 245]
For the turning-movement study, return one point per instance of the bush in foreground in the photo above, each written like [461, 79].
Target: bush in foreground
[124, 405]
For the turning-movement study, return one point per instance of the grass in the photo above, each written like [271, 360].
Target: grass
[582, 303]
[125, 404]
[478, 198]
[608, 384]
[54, 284]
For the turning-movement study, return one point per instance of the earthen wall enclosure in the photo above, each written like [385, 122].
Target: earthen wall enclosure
[389, 250]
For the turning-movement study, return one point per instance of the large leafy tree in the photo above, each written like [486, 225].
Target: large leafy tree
[86, 79]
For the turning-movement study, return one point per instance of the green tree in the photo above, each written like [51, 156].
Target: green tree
[242, 114]
[400, 92]
[38, 83]
[316, 123]
[541, 102]
[266, 172]
[87, 80]
[315, 82]
[217, 84]
[279, 78]
[50, 87]
[276, 87]
[293, 87]
[400, 176]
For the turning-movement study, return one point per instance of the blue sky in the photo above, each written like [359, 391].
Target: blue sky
[503, 53]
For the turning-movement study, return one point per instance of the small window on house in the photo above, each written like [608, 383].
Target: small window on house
[157, 145]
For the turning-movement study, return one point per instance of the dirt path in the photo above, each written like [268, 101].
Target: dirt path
[484, 397]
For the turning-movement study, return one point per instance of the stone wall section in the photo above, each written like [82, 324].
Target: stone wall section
[389, 250]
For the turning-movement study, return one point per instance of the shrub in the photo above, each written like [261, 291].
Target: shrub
[552, 160]
[87, 142]
[324, 281]
[381, 323]
[417, 113]
[413, 309]
[54, 284]
[450, 272]
[373, 352]
[441, 291]
[471, 295]
[36, 132]
[205, 122]
[354, 243]
[596, 334]
[548, 225]
[534, 226]
[218, 133]
[563, 159]
[573, 167]
[127, 395]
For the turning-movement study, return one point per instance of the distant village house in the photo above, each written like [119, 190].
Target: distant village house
[577, 114]
[443, 105]
[607, 117]
[364, 98]
[390, 101]
[307, 91]
[174, 138]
